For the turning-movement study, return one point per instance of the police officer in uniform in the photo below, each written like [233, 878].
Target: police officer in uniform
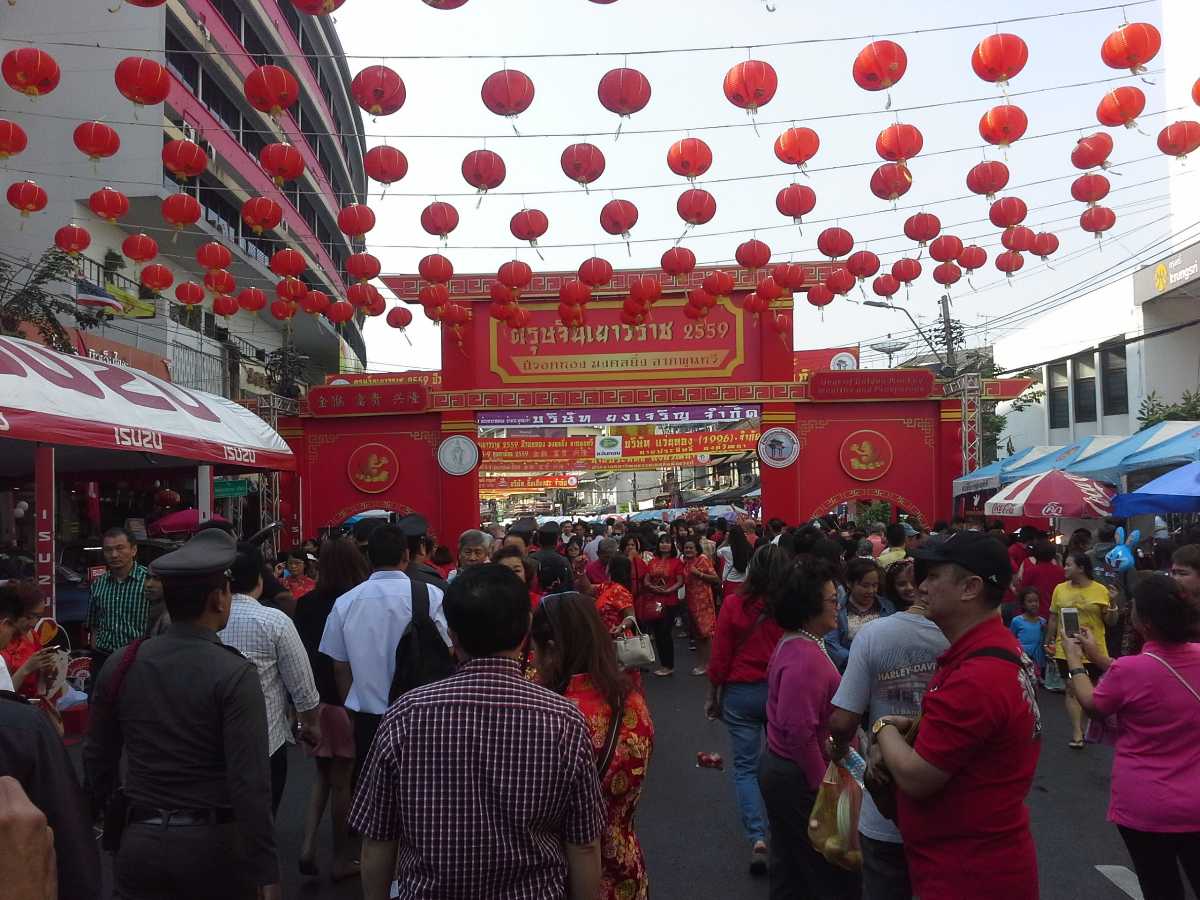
[189, 713]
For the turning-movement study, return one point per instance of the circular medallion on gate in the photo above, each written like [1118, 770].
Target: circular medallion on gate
[866, 455]
[458, 455]
[373, 468]
[778, 448]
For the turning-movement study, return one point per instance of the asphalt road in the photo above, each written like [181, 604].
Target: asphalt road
[689, 828]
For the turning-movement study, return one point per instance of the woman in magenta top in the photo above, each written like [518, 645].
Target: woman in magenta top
[1155, 697]
[801, 682]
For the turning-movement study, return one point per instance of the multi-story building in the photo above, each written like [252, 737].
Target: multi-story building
[208, 47]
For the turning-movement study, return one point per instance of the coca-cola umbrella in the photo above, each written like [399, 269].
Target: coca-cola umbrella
[1053, 494]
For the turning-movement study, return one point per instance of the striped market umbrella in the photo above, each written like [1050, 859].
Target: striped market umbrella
[1053, 494]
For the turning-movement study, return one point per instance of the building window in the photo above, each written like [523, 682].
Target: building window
[1084, 376]
[1059, 396]
[1114, 387]
[257, 48]
[213, 96]
[185, 65]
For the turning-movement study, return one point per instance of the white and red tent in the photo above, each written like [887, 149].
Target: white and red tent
[1053, 494]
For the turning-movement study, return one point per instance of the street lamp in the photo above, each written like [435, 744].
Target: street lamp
[946, 370]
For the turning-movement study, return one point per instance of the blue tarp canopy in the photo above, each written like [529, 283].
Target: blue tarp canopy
[1107, 465]
[1083, 449]
[1177, 491]
[987, 477]
[1179, 450]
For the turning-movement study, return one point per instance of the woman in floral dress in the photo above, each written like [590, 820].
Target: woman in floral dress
[575, 657]
[615, 600]
[699, 577]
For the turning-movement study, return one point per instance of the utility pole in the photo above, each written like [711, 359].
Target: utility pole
[948, 332]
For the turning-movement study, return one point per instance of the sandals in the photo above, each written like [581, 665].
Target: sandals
[1075, 745]
[699, 670]
[663, 673]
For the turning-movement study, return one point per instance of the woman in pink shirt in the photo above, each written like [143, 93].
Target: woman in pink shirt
[801, 682]
[1155, 697]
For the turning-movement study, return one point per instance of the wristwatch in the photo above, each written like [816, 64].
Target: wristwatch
[880, 724]
[1078, 670]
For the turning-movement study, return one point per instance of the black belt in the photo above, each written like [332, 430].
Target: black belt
[145, 815]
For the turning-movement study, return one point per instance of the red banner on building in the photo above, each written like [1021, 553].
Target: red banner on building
[872, 384]
[612, 452]
[527, 483]
[329, 400]
[378, 379]
[836, 359]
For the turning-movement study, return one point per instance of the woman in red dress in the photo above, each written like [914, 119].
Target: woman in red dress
[699, 578]
[574, 655]
[615, 600]
[664, 578]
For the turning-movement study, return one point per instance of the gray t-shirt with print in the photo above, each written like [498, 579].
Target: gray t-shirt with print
[891, 662]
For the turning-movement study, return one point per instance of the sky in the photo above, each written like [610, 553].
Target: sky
[444, 119]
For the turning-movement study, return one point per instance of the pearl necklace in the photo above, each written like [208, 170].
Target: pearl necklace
[819, 641]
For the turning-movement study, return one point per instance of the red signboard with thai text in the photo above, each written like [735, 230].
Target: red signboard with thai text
[328, 400]
[614, 452]
[872, 384]
[431, 379]
[533, 483]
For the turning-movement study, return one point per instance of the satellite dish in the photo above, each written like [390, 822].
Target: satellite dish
[891, 348]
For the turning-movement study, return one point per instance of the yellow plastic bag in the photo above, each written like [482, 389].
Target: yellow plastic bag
[833, 823]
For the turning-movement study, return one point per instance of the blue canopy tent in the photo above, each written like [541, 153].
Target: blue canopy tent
[1083, 449]
[1183, 448]
[987, 477]
[1106, 465]
[1178, 491]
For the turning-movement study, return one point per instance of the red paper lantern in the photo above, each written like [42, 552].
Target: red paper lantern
[1131, 46]
[583, 163]
[184, 159]
[571, 316]
[946, 274]
[1092, 151]
[108, 204]
[315, 302]
[1045, 245]
[385, 164]
[261, 214]
[281, 310]
[157, 278]
[225, 306]
[95, 140]
[696, 206]
[362, 295]
[1090, 188]
[1097, 220]
[972, 257]
[519, 318]
[455, 314]
[12, 138]
[378, 90]
[508, 93]
[618, 217]
[399, 317]
[885, 285]
[212, 256]
[139, 247]
[690, 157]
[701, 299]
[753, 254]
[906, 270]
[789, 276]
[445, 4]
[899, 142]
[439, 219]
[515, 275]
[1196, 92]
[362, 266]
[483, 170]
[282, 162]
[796, 146]
[879, 65]
[999, 58]
[271, 89]
[1008, 211]
[574, 292]
[922, 227]
[1018, 238]
[796, 201]
[751, 84]
[678, 261]
[596, 272]
[30, 71]
[756, 304]
[355, 220]
[1003, 125]
[720, 283]
[435, 269]
[290, 290]
[27, 197]
[768, 289]
[181, 210]
[945, 248]
[819, 295]
[219, 281]
[624, 92]
[252, 299]
[1179, 139]
[781, 323]
[645, 289]
[142, 81]
[1009, 261]
[987, 178]
[189, 293]
[840, 280]
[891, 181]
[835, 242]
[72, 239]
[286, 263]
[339, 312]
[377, 306]
[501, 294]
[529, 225]
[862, 264]
[317, 7]
[1121, 106]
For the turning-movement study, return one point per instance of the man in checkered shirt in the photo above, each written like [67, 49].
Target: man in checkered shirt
[482, 785]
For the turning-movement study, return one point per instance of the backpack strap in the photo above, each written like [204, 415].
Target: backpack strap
[113, 688]
[996, 653]
[420, 600]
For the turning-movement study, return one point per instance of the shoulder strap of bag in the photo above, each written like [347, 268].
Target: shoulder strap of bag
[996, 653]
[420, 600]
[1170, 668]
[113, 688]
[610, 747]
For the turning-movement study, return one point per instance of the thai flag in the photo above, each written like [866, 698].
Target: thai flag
[89, 294]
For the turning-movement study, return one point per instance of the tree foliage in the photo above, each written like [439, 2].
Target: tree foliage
[285, 368]
[31, 293]
[1154, 409]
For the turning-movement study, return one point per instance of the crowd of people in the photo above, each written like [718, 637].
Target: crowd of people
[474, 734]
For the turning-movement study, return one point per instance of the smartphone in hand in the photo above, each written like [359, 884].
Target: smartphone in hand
[1069, 617]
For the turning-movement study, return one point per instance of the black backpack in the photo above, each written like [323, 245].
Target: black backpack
[421, 656]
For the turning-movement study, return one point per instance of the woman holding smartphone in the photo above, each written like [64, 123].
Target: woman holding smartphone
[1081, 603]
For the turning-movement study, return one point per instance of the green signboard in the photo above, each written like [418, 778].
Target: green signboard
[237, 487]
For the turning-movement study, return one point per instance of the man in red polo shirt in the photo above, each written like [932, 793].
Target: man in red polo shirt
[961, 788]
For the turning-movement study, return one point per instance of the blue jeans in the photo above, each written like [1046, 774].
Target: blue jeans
[744, 711]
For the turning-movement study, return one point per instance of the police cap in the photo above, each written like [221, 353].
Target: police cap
[210, 551]
[413, 525]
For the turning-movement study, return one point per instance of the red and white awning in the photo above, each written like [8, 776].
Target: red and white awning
[55, 398]
[1053, 494]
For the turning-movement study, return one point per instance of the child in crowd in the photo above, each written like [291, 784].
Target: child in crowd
[1030, 629]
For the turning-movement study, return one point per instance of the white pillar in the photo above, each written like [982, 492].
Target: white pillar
[204, 493]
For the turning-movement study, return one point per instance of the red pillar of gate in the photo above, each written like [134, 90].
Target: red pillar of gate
[780, 486]
[44, 497]
[460, 493]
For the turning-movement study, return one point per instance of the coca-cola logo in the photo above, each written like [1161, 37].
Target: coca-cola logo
[1053, 508]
